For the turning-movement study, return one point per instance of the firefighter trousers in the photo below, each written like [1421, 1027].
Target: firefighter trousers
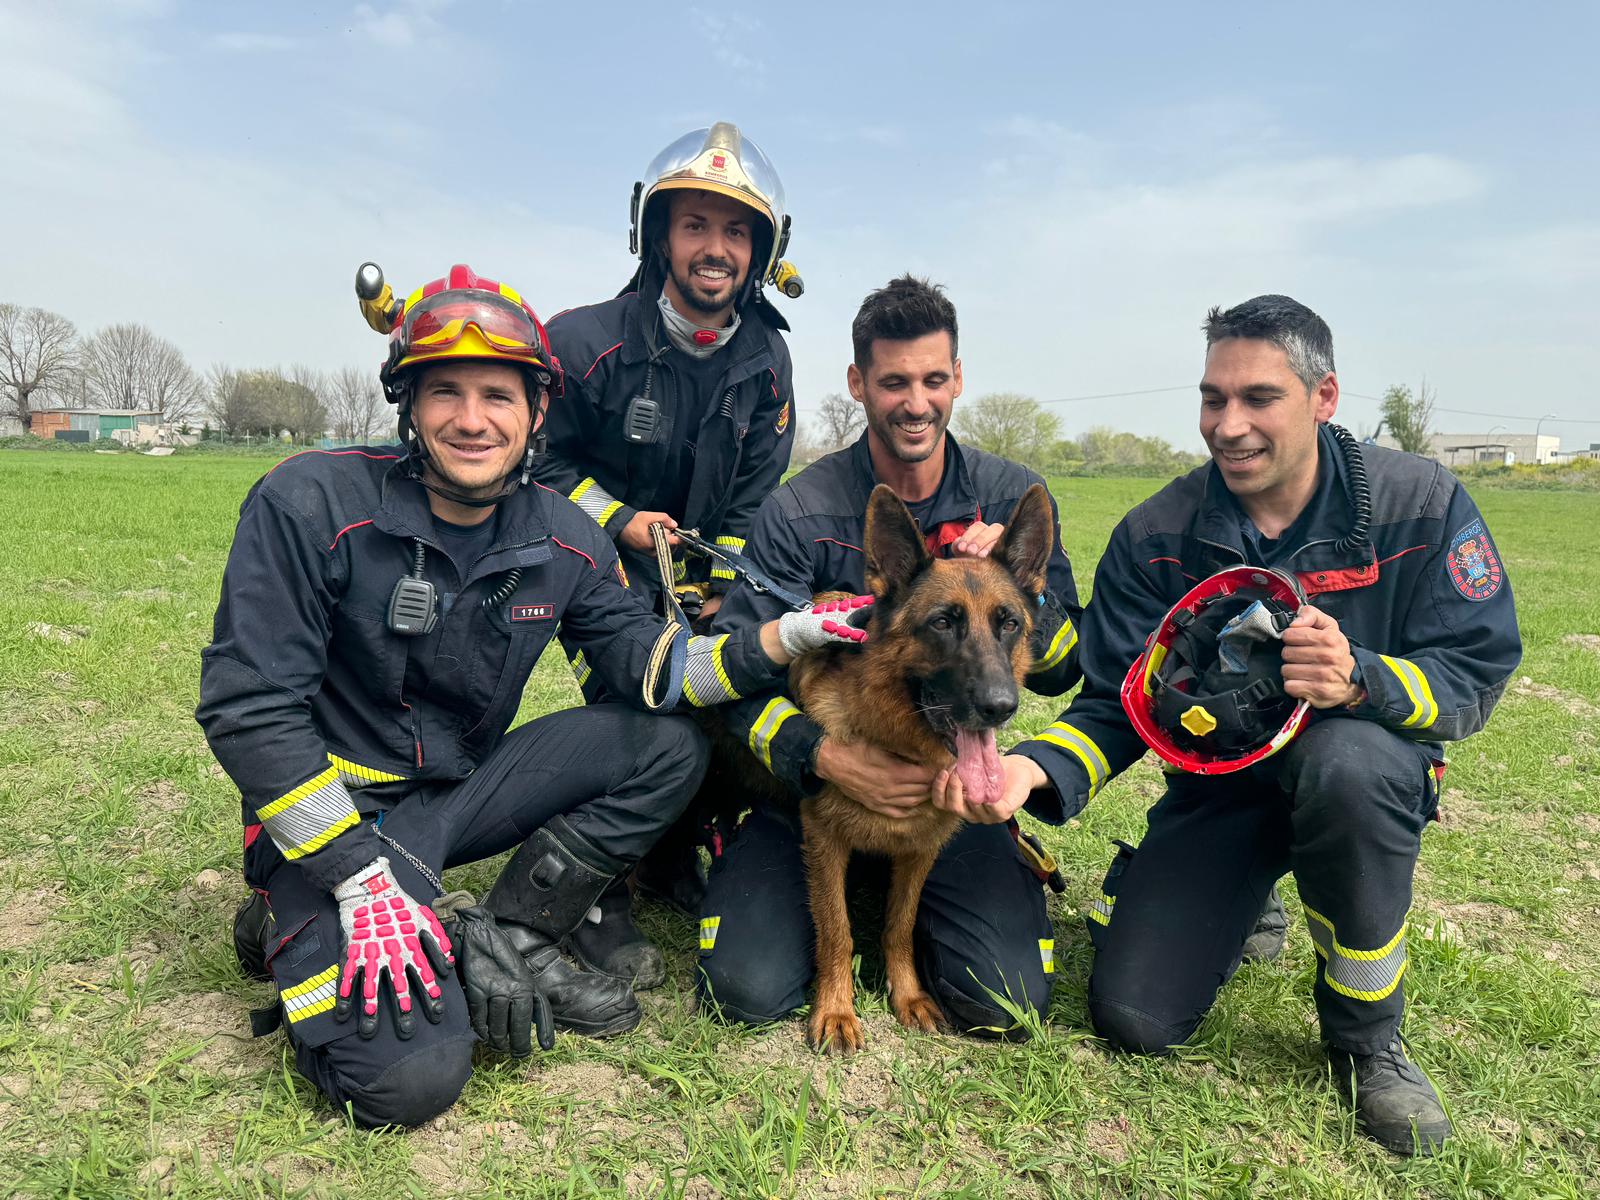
[618, 777]
[1343, 807]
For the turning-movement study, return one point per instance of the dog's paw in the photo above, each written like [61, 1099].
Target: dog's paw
[837, 1032]
[919, 1012]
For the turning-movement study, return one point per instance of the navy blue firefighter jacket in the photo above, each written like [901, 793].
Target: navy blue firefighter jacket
[323, 717]
[808, 538]
[1426, 606]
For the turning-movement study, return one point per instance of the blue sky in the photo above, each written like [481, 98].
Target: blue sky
[1086, 180]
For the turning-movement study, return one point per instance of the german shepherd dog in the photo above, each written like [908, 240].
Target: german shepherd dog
[938, 675]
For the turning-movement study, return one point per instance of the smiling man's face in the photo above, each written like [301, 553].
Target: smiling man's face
[1260, 421]
[908, 390]
[473, 417]
[708, 254]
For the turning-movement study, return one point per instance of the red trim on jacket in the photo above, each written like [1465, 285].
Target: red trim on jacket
[345, 530]
[1402, 554]
[596, 362]
[837, 542]
[574, 550]
[361, 453]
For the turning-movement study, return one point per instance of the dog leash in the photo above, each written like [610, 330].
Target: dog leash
[671, 649]
[738, 564]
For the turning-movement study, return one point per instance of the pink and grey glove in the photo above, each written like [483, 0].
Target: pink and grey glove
[386, 931]
[833, 623]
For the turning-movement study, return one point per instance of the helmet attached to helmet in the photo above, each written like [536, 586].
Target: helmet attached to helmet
[717, 159]
[465, 316]
[1207, 692]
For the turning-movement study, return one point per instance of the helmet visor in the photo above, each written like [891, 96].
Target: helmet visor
[730, 159]
[438, 322]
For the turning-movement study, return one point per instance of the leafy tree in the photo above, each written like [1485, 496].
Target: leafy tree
[1409, 418]
[1010, 425]
[38, 351]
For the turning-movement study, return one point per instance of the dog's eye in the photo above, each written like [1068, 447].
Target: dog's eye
[1010, 625]
[942, 623]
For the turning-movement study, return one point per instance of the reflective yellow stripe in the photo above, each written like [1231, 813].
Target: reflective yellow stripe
[721, 573]
[1069, 737]
[729, 542]
[778, 710]
[1100, 910]
[1424, 708]
[299, 793]
[576, 493]
[1359, 974]
[355, 774]
[581, 668]
[316, 995]
[705, 678]
[310, 985]
[608, 512]
[708, 932]
[1047, 955]
[1058, 651]
[312, 845]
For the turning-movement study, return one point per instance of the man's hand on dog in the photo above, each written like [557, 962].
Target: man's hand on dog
[1020, 777]
[877, 780]
[977, 541]
[1317, 663]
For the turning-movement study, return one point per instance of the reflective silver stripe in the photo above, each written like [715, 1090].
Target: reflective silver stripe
[1069, 737]
[1424, 708]
[727, 542]
[315, 995]
[353, 775]
[1359, 974]
[1060, 646]
[1100, 909]
[705, 679]
[778, 710]
[581, 668]
[311, 816]
[595, 500]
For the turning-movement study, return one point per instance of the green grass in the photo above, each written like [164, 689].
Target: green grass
[126, 1069]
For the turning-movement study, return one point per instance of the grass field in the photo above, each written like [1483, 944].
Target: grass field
[126, 1068]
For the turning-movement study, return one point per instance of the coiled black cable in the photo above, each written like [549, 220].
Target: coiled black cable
[1355, 487]
[502, 593]
[419, 558]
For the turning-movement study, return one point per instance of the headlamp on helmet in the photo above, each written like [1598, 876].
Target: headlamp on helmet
[1207, 692]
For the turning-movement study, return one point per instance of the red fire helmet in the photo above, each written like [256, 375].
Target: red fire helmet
[1207, 692]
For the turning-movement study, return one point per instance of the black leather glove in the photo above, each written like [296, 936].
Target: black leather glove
[505, 1007]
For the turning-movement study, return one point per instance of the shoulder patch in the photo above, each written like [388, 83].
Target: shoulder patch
[783, 419]
[1473, 563]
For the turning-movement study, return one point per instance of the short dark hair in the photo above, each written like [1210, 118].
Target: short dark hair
[1289, 325]
[900, 310]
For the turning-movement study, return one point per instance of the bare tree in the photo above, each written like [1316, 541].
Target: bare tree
[355, 404]
[841, 421]
[38, 349]
[1012, 426]
[129, 367]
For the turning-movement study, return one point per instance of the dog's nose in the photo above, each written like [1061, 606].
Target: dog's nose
[995, 705]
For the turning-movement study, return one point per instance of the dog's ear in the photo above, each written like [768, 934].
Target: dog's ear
[896, 553]
[1024, 548]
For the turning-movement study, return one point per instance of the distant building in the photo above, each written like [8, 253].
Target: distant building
[88, 424]
[1592, 452]
[1462, 449]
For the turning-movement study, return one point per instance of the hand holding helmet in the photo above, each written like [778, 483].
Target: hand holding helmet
[1317, 664]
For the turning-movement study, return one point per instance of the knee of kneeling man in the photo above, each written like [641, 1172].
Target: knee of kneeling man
[1340, 760]
[984, 1006]
[415, 1089]
[1133, 1030]
[738, 996]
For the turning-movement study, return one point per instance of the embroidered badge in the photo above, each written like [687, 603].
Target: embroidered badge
[622, 576]
[1473, 563]
[532, 612]
[783, 419]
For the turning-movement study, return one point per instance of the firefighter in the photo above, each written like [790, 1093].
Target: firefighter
[381, 612]
[679, 410]
[982, 926]
[1405, 642]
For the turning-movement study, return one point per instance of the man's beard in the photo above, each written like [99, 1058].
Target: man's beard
[700, 300]
[886, 429]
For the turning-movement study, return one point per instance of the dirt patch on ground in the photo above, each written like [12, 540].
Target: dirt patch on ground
[1577, 706]
[1109, 1138]
[25, 917]
[220, 1024]
[1588, 641]
[164, 796]
[156, 594]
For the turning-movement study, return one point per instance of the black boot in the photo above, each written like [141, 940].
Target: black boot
[608, 941]
[671, 871]
[1395, 1104]
[540, 897]
[1266, 940]
[253, 927]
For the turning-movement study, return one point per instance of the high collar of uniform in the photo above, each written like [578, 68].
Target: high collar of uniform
[955, 499]
[1326, 517]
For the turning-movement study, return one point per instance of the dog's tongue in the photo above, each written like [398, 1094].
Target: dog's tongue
[978, 766]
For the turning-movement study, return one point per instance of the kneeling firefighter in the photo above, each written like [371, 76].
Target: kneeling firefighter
[678, 411]
[381, 612]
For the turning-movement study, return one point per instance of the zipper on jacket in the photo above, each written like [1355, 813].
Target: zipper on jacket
[416, 734]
